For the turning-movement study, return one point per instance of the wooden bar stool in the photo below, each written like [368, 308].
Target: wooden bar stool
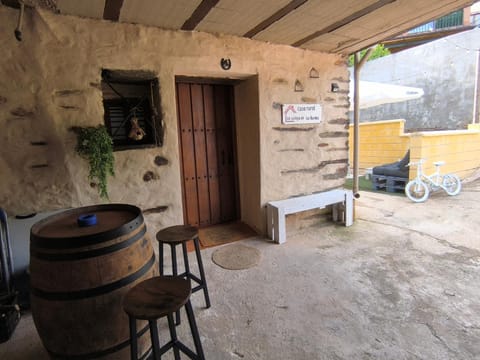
[153, 299]
[181, 234]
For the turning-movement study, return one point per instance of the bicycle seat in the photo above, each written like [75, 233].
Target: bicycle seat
[439, 163]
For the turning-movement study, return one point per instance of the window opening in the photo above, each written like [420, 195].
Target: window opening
[131, 102]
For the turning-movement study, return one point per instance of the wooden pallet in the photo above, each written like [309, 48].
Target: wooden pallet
[388, 183]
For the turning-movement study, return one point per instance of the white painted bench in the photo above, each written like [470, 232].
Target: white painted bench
[277, 210]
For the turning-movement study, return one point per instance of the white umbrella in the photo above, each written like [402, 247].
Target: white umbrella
[374, 93]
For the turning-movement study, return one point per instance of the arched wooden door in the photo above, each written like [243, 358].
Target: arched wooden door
[207, 144]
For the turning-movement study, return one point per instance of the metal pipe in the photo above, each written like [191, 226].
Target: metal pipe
[356, 127]
[476, 96]
[358, 63]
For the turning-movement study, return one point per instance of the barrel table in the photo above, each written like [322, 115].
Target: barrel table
[82, 263]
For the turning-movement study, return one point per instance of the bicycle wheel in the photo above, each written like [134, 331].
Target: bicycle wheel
[452, 184]
[417, 191]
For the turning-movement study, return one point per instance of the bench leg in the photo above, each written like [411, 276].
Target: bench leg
[348, 208]
[335, 213]
[276, 224]
[270, 221]
[279, 225]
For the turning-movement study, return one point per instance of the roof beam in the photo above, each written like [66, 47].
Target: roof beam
[11, 3]
[49, 5]
[112, 9]
[199, 14]
[355, 16]
[275, 17]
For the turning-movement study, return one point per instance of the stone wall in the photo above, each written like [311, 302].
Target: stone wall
[51, 81]
[444, 69]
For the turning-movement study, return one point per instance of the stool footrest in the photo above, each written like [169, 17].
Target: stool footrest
[196, 288]
[196, 279]
[190, 276]
[183, 348]
[179, 345]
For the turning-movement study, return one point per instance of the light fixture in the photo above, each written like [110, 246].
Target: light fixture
[335, 88]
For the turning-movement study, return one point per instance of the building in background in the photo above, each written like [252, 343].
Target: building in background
[453, 23]
[441, 58]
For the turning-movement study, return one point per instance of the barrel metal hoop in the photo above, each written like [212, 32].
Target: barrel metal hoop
[89, 253]
[100, 290]
[101, 353]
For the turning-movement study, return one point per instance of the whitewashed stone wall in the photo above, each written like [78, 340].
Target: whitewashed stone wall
[51, 81]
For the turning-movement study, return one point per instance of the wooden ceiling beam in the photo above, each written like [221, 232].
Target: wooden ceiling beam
[45, 4]
[112, 10]
[199, 14]
[12, 3]
[355, 16]
[275, 17]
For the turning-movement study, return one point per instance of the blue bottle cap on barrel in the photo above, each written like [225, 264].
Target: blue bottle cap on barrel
[87, 220]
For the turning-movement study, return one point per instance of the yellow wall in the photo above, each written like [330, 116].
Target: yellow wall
[381, 142]
[385, 141]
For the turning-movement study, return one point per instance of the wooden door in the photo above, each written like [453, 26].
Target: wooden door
[206, 126]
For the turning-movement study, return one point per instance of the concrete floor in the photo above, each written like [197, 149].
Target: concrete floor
[402, 283]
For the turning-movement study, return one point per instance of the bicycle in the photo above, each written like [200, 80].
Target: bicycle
[418, 189]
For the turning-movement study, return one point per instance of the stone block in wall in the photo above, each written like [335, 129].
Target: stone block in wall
[160, 161]
[333, 134]
[22, 112]
[149, 176]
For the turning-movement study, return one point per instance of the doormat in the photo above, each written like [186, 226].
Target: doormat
[236, 257]
[224, 233]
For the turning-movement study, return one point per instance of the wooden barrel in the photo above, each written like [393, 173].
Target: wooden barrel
[79, 276]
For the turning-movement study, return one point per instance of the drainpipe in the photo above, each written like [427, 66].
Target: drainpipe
[476, 96]
[358, 63]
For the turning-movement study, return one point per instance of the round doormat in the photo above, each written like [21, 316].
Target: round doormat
[236, 257]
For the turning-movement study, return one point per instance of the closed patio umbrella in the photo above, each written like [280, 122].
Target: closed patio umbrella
[375, 93]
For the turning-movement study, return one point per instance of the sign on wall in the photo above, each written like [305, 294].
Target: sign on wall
[301, 113]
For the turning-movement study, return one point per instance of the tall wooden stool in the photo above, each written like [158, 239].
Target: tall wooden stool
[153, 299]
[181, 234]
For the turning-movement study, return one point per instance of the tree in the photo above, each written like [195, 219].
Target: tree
[378, 52]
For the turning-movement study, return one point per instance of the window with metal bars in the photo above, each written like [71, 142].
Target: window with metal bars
[131, 110]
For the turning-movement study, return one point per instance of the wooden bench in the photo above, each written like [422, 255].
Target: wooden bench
[342, 201]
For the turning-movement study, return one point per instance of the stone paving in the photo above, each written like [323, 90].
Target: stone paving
[401, 283]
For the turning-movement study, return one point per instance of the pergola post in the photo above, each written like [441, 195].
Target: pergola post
[358, 63]
[476, 97]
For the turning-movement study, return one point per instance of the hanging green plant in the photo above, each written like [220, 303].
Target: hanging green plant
[96, 145]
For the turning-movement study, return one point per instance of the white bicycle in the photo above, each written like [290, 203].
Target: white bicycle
[418, 189]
